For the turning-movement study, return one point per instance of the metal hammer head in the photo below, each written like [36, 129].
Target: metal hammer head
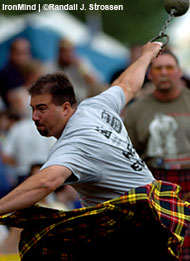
[180, 6]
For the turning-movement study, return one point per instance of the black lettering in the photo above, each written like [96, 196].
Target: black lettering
[114, 122]
[128, 154]
[136, 166]
[106, 116]
[130, 148]
[106, 133]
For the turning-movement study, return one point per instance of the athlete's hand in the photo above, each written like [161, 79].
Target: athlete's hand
[152, 49]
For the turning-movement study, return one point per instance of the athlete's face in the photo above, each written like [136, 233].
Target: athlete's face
[48, 117]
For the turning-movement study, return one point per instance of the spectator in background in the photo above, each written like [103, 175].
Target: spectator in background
[80, 71]
[18, 98]
[159, 124]
[7, 120]
[9, 237]
[24, 146]
[7, 181]
[11, 75]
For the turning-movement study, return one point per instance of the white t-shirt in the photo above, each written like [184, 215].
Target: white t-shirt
[26, 146]
[95, 146]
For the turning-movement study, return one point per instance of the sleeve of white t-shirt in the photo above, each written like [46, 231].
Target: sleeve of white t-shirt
[111, 99]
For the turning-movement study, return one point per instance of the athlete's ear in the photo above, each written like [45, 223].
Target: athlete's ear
[66, 108]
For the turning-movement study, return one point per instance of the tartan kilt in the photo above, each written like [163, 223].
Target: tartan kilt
[182, 178]
[147, 218]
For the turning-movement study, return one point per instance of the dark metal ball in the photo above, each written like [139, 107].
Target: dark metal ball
[180, 6]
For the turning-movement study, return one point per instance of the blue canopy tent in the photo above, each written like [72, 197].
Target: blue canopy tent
[44, 42]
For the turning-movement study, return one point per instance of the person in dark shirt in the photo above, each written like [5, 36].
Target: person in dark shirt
[11, 75]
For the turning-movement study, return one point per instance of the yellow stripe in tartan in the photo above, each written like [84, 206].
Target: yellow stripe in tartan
[160, 210]
[179, 228]
[163, 194]
[141, 196]
[47, 229]
[172, 241]
[111, 222]
[38, 236]
[181, 219]
[9, 257]
[131, 198]
[180, 206]
[91, 211]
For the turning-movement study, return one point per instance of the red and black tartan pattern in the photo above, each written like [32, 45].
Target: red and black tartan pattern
[182, 178]
[57, 235]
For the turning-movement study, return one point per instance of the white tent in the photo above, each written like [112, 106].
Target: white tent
[179, 33]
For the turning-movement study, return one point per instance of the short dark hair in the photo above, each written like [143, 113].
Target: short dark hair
[169, 52]
[58, 85]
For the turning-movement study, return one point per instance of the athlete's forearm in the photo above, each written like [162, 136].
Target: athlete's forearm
[32, 190]
[25, 195]
[20, 198]
[133, 77]
[131, 80]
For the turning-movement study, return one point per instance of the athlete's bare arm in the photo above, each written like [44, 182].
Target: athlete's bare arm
[34, 189]
[132, 78]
